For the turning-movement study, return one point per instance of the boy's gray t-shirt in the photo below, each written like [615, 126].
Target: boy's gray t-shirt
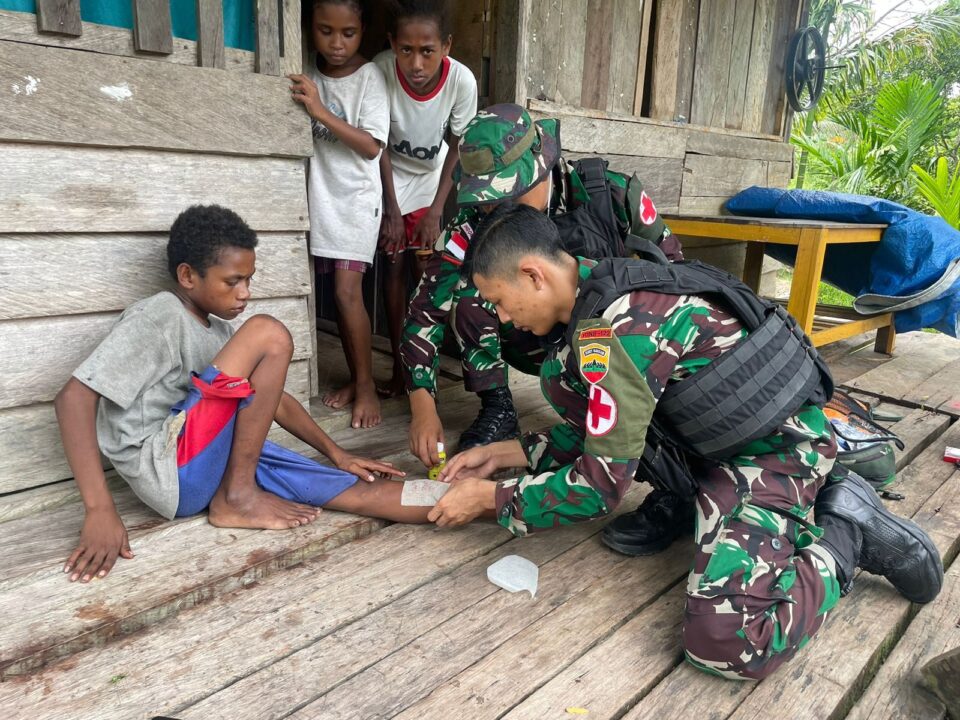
[141, 370]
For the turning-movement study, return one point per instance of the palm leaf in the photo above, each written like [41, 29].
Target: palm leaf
[941, 190]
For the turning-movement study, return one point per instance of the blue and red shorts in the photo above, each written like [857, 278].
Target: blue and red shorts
[206, 439]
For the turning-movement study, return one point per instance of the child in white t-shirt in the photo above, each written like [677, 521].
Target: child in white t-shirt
[432, 98]
[346, 98]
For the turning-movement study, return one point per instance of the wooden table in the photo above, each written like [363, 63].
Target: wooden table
[823, 323]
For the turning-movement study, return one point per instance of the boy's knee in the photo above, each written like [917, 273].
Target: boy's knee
[272, 333]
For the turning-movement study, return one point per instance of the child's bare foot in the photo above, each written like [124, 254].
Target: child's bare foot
[258, 509]
[341, 397]
[366, 406]
[394, 387]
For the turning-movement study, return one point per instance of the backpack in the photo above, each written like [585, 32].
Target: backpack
[591, 229]
[864, 447]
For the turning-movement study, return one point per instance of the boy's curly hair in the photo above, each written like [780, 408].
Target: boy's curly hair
[360, 7]
[199, 234]
[436, 10]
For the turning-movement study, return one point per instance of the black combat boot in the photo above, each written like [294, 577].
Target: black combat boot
[860, 532]
[497, 420]
[652, 527]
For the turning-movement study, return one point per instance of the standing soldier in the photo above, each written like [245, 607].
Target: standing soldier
[685, 356]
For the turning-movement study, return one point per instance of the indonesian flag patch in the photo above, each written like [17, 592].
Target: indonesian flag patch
[456, 248]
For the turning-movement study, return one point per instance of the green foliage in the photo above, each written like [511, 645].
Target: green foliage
[941, 190]
[892, 110]
[873, 153]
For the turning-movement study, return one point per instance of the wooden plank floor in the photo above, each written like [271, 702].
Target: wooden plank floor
[353, 618]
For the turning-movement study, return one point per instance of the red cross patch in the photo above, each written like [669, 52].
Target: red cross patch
[648, 212]
[601, 412]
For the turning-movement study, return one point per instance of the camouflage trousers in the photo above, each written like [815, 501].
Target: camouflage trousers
[761, 585]
[486, 346]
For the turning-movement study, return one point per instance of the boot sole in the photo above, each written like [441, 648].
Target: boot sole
[651, 548]
[860, 489]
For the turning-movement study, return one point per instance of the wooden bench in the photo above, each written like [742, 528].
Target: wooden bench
[823, 323]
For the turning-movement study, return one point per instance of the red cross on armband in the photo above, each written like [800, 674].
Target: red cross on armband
[601, 412]
[648, 212]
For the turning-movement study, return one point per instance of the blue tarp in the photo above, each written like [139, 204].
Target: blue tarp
[915, 252]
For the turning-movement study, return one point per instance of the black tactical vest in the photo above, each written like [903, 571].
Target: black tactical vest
[743, 395]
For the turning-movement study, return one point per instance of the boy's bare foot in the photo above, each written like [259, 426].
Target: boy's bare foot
[394, 387]
[366, 406]
[258, 509]
[341, 397]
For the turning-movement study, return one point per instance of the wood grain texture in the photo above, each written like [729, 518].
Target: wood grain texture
[597, 51]
[292, 60]
[61, 17]
[624, 53]
[647, 644]
[701, 140]
[89, 99]
[160, 584]
[210, 51]
[646, 29]
[900, 378]
[543, 49]
[245, 630]
[511, 21]
[109, 40]
[572, 43]
[268, 37]
[775, 98]
[712, 64]
[661, 177]
[39, 354]
[897, 690]
[454, 618]
[689, 23]
[100, 273]
[739, 63]
[152, 26]
[615, 137]
[705, 176]
[48, 189]
[761, 50]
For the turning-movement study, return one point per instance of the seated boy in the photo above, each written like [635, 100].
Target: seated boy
[187, 404]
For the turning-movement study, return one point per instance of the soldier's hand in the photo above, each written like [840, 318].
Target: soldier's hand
[484, 460]
[463, 502]
[426, 431]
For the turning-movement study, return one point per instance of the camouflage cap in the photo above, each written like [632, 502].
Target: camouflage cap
[503, 154]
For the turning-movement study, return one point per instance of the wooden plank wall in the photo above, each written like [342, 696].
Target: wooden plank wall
[711, 63]
[100, 151]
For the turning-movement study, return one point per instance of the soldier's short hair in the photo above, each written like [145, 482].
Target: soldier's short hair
[509, 232]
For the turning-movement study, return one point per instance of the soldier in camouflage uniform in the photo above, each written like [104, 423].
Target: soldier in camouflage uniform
[503, 156]
[766, 569]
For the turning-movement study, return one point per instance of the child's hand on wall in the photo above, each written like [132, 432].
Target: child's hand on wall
[305, 92]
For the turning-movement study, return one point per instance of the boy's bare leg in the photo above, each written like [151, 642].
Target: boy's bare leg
[260, 351]
[343, 396]
[355, 331]
[381, 499]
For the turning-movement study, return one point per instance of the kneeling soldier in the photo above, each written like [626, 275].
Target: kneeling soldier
[679, 375]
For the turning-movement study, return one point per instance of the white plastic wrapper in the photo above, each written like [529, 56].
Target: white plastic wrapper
[514, 573]
[422, 493]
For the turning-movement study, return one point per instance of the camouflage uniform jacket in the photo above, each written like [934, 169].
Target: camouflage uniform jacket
[606, 388]
[442, 283]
